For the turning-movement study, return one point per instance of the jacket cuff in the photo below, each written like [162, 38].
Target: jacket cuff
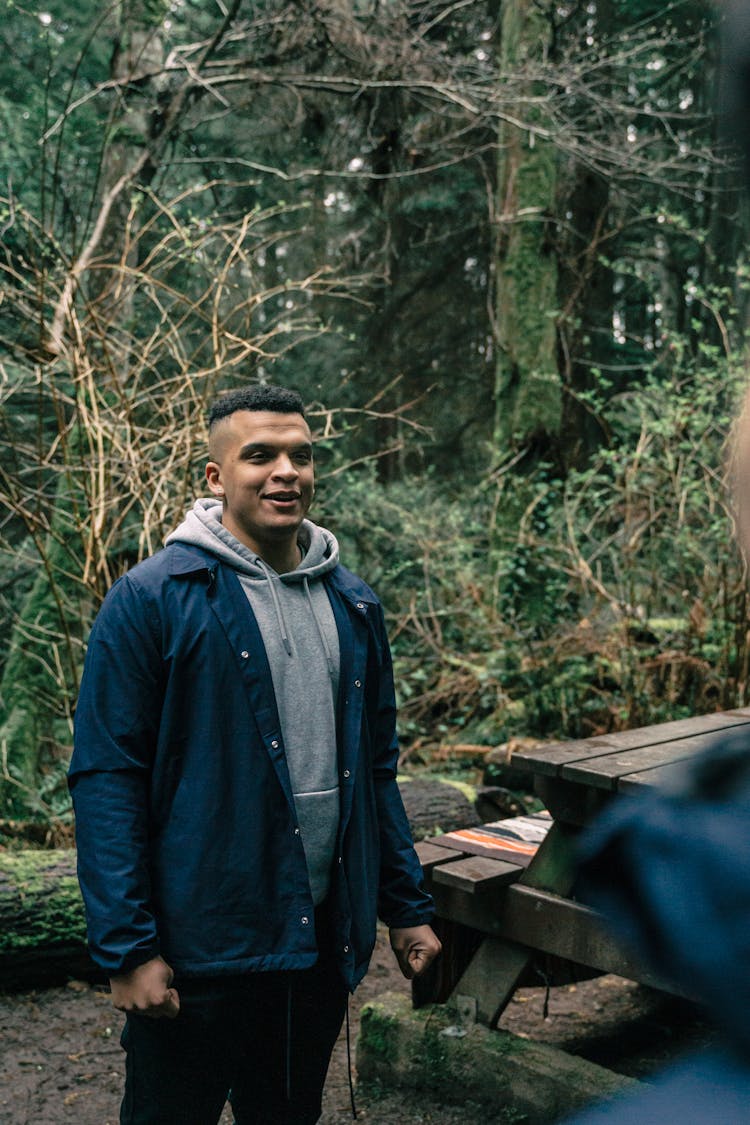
[407, 921]
[128, 961]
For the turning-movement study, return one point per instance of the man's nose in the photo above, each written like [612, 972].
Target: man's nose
[284, 468]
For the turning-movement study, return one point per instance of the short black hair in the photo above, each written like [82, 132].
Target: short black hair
[279, 400]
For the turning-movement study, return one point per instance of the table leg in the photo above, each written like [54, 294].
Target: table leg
[484, 971]
[491, 978]
[437, 983]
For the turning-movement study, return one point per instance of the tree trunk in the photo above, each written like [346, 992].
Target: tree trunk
[528, 392]
[586, 298]
[137, 60]
[385, 345]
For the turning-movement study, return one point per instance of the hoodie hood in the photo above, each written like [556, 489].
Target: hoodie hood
[202, 527]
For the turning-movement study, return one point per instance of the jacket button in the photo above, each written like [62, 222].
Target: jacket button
[358, 683]
[346, 773]
[304, 920]
[244, 654]
[360, 605]
[341, 859]
[275, 744]
[296, 831]
[346, 949]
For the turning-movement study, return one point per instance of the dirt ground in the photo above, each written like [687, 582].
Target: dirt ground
[61, 1060]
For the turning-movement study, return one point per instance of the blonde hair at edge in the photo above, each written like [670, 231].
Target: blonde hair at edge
[738, 475]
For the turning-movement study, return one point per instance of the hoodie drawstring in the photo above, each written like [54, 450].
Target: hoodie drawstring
[273, 578]
[318, 626]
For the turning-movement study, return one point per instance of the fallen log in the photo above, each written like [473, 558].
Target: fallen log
[42, 927]
[434, 806]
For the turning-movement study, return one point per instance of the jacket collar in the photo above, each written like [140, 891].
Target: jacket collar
[186, 559]
[352, 588]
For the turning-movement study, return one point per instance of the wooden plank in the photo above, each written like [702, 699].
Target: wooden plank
[572, 931]
[652, 779]
[548, 923]
[549, 760]
[429, 855]
[476, 874]
[605, 772]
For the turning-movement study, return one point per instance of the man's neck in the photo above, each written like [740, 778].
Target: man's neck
[281, 558]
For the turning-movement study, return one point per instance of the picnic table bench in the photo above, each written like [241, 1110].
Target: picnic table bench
[503, 891]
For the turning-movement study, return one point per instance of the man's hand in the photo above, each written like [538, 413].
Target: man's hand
[415, 947]
[146, 990]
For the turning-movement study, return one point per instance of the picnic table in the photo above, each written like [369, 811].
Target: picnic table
[504, 892]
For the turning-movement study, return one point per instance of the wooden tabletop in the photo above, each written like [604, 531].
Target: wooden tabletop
[632, 759]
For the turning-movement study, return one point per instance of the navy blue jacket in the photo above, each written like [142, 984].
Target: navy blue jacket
[185, 820]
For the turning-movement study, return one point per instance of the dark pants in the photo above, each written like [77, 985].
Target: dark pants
[262, 1040]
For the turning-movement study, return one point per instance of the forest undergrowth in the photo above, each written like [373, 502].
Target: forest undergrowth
[536, 605]
[532, 604]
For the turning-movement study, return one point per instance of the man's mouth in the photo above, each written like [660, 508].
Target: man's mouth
[282, 497]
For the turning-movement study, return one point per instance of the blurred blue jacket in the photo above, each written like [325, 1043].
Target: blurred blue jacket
[670, 871]
[185, 819]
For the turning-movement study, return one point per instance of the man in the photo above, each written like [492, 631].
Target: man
[239, 824]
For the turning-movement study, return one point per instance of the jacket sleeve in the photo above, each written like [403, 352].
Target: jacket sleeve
[116, 724]
[402, 899]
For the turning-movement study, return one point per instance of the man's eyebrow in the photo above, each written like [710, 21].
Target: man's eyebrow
[270, 447]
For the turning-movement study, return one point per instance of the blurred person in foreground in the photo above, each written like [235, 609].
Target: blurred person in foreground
[671, 873]
[238, 821]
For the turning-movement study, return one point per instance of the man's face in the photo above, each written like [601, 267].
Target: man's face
[262, 468]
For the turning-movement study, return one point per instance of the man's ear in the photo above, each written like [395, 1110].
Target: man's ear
[213, 478]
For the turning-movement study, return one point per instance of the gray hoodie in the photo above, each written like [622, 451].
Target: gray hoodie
[302, 645]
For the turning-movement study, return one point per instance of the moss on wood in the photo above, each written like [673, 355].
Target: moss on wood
[40, 902]
[513, 1079]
